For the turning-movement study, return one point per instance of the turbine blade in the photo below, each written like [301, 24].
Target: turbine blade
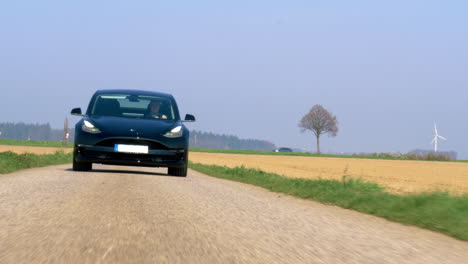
[442, 137]
[435, 128]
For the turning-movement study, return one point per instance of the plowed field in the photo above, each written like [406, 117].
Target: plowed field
[396, 176]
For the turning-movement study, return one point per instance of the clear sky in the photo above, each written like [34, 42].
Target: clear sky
[386, 69]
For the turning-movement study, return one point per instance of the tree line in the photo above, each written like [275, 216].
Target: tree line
[23, 131]
[198, 139]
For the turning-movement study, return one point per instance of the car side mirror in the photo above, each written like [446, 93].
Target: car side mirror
[76, 112]
[189, 118]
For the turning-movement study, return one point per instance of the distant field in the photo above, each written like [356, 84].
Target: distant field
[33, 149]
[397, 176]
[303, 154]
[56, 144]
[272, 153]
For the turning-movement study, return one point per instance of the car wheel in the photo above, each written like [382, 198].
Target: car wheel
[181, 172]
[82, 166]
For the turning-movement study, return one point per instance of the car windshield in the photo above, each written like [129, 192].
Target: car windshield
[133, 106]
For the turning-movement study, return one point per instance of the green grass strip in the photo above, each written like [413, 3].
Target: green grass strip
[10, 162]
[35, 143]
[435, 211]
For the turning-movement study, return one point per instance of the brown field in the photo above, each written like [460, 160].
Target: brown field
[396, 176]
[34, 150]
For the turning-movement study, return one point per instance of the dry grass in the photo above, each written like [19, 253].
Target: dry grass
[395, 176]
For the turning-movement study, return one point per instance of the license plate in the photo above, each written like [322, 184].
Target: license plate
[131, 148]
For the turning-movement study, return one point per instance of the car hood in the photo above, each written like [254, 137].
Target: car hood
[132, 127]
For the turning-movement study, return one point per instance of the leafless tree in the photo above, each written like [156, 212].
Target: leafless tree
[319, 121]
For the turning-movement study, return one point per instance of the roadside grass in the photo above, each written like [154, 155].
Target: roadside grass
[35, 143]
[436, 211]
[10, 162]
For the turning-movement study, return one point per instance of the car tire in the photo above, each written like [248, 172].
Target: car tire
[180, 172]
[82, 166]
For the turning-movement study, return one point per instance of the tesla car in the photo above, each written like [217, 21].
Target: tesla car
[134, 128]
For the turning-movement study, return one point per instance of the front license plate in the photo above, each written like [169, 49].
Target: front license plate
[131, 148]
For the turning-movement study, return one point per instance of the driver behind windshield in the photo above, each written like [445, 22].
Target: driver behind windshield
[154, 111]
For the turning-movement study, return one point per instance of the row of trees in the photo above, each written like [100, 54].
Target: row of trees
[23, 131]
[200, 139]
[44, 132]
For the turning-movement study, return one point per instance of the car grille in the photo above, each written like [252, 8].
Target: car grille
[150, 144]
[132, 157]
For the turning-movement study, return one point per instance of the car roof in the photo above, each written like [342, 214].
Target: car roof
[132, 92]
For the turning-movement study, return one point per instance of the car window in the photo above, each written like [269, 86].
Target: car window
[133, 106]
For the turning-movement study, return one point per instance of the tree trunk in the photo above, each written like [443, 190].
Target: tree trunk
[318, 144]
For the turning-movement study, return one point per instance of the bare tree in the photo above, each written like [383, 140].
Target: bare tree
[319, 121]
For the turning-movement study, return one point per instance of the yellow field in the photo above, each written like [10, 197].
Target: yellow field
[34, 150]
[396, 176]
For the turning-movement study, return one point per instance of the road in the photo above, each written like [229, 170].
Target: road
[141, 215]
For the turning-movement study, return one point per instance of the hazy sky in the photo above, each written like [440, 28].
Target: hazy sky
[386, 69]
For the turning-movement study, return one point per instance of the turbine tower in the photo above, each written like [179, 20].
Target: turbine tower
[436, 136]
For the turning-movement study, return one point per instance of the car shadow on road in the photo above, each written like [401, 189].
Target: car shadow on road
[126, 171]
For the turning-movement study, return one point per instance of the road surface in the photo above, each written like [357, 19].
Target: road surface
[140, 215]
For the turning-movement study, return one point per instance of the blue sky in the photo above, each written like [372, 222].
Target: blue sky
[386, 69]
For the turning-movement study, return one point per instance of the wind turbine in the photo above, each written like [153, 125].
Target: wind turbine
[436, 136]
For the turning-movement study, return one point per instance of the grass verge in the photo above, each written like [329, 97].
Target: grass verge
[10, 162]
[435, 211]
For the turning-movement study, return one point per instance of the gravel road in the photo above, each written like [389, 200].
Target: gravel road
[141, 215]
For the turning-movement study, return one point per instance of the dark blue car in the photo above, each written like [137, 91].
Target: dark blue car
[131, 127]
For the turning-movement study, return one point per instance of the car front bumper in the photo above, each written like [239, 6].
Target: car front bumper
[174, 158]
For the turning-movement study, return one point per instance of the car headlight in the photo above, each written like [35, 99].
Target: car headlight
[175, 132]
[89, 127]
